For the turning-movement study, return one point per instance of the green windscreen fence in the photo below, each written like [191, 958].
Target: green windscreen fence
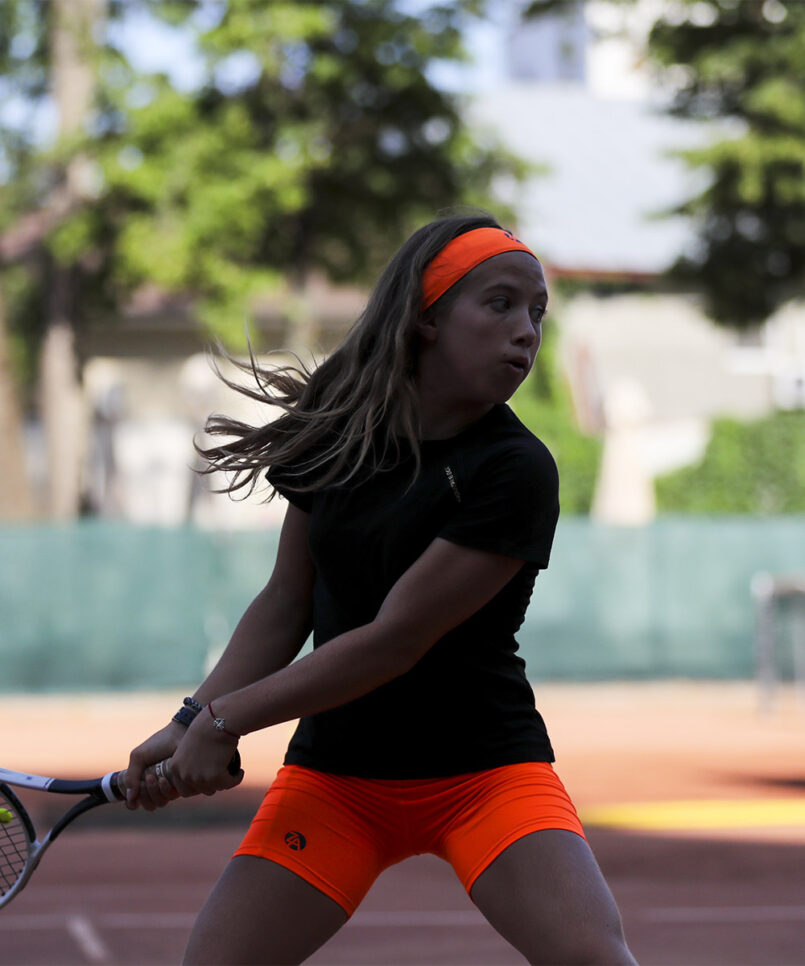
[109, 606]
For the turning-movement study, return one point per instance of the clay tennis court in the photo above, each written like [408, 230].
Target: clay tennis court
[693, 803]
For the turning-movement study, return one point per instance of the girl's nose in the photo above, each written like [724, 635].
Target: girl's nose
[526, 332]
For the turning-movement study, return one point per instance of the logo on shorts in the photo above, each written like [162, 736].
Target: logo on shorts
[295, 841]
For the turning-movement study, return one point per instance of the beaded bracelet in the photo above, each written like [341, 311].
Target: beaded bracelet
[187, 713]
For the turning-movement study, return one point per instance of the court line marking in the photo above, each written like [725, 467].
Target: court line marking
[121, 920]
[87, 939]
[135, 920]
[715, 914]
[699, 814]
[680, 915]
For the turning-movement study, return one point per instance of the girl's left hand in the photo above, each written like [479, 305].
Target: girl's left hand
[199, 764]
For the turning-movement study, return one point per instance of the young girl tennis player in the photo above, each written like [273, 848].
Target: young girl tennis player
[421, 510]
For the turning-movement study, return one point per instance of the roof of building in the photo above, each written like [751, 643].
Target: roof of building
[610, 175]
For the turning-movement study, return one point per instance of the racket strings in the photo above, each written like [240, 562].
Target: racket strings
[14, 845]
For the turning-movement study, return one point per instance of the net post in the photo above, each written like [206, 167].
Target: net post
[767, 592]
[762, 589]
[798, 631]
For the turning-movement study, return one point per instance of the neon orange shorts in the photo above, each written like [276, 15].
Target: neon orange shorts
[339, 833]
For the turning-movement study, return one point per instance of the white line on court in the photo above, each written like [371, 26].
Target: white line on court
[157, 920]
[88, 940]
[86, 935]
[691, 914]
[114, 920]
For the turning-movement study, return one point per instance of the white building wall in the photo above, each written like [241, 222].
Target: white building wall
[688, 370]
[141, 467]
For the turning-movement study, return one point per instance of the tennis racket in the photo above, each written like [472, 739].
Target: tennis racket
[20, 850]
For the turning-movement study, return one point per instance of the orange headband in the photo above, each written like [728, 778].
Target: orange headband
[462, 255]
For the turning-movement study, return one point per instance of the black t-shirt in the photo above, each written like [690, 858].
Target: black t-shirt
[467, 704]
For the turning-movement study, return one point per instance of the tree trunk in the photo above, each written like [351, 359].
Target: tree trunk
[61, 407]
[60, 393]
[16, 500]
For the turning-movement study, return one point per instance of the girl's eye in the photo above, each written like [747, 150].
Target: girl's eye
[537, 315]
[500, 304]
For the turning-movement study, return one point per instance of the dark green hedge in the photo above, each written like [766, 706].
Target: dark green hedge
[755, 467]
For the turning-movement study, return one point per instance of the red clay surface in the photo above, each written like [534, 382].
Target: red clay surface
[123, 888]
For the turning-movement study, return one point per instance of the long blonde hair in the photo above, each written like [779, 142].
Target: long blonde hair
[350, 414]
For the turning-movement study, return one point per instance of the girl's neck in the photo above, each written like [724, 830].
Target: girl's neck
[438, 420]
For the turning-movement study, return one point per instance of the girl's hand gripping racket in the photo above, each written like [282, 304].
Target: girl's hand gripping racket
[20, 850]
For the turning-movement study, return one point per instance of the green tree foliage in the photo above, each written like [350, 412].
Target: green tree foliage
[742, 61]
[544, 404]
[315, 140]
[756, 467]
[24, 28]
[23, 81]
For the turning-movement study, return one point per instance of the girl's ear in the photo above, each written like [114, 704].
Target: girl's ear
[426, 327]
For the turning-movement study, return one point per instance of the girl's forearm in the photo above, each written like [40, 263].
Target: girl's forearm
[268, 636]
[340, 671]
[443, 588]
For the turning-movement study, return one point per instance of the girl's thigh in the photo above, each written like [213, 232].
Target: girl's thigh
[546, 895]
[262, 913]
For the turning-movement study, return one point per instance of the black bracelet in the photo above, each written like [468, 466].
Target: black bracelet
[187, 713]
[184, 716]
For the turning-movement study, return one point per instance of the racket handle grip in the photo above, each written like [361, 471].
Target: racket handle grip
[118, 779]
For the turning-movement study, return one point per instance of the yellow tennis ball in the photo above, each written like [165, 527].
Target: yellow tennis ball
[5, 816]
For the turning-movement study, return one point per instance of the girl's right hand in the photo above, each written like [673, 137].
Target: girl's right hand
[149, 791]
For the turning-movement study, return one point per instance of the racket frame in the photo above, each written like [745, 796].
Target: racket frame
[98, 791]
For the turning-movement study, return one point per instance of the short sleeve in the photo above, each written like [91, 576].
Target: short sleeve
[302, 501]
[511, 505]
